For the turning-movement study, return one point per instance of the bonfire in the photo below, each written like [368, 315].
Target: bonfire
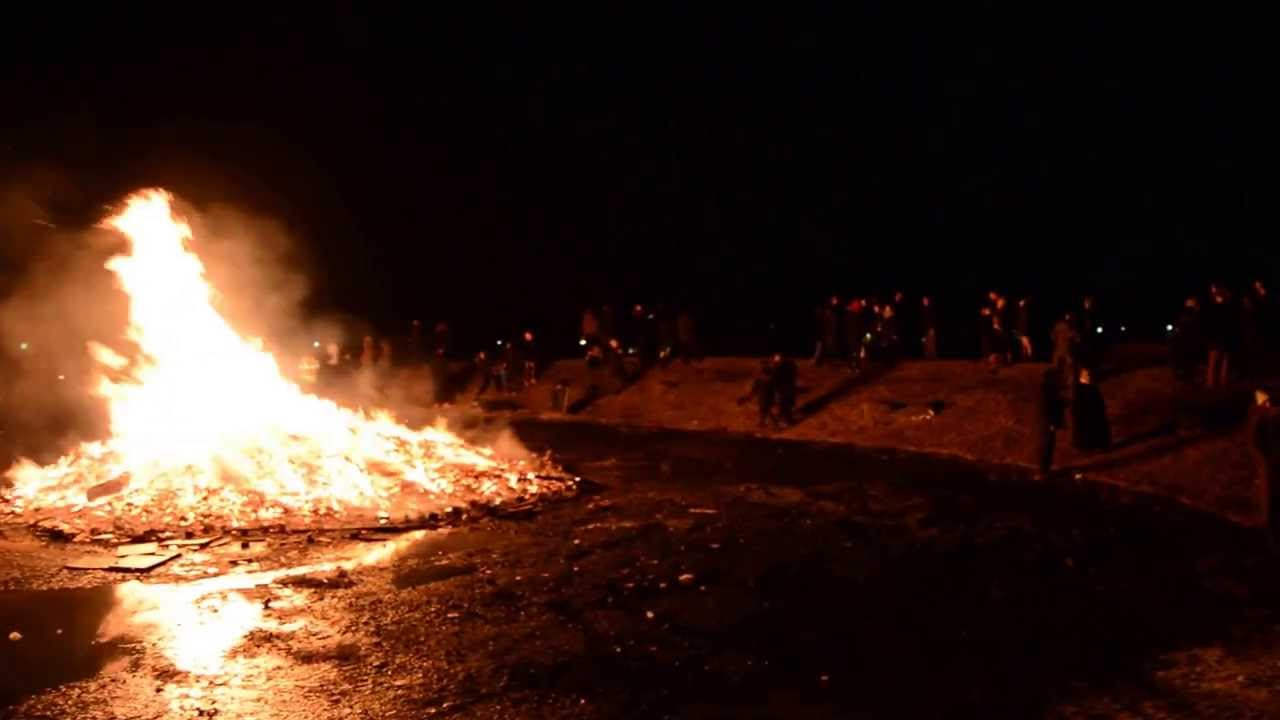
[205, 429]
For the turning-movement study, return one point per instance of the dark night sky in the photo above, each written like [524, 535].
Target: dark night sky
[506, 166]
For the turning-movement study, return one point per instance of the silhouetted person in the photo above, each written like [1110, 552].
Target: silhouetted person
[1050, 417]
[855, 332]
[928, 329]
[666, 334]
[829, 322]
[414, 347]
[687, 336]
[1187, 345]
[784, 382]
[368, 353]
[1065, 342]
[615, 362]
[1264, 446]
[1219, 327]
[644, 335]
[384, 356]
[608, 323]
[1090, 428]
[1089, 346]
[491, 373]
[1022, 329]
[889, 333]
[1001, 332]
[529, 360]
[984, 333]
[441, 340]
[763, 391]
[1254, 328]
[590, 327]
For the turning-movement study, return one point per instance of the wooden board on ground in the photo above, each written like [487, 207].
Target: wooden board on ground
[141, 563]
[147, 548]
[91, 562]
[189, 542]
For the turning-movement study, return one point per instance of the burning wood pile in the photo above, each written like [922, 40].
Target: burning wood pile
[207, 432]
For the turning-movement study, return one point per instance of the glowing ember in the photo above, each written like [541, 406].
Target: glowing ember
[205, 428]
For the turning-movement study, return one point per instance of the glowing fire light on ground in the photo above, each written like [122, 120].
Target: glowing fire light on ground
[197, 624]
[206, 429]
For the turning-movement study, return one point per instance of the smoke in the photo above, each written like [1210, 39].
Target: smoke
[57, 297]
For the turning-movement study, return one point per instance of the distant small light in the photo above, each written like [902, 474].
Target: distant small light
[499, 343]
[1099, 329]
[23, 346]
[315, 343]
[1168, 328]
[1122, 328]
[62, 377]
[581, 341]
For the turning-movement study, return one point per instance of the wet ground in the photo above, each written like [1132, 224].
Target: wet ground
[708, 577]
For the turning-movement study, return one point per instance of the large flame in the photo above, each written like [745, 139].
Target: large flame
[204, 426]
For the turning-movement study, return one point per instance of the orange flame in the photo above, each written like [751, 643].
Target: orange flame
[205, 427]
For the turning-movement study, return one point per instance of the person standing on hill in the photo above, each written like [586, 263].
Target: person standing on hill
[1219, 336]
[828, 346]
[1090, 428]
[1022, 329]
[928, 329]
[1050, 418]
[855, 331]
[687, 336]
[984, 333]
[1264, 446]
[1186, 346]
[784, 382]
[1065, 341]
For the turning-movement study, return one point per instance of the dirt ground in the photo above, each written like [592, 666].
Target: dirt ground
[962, 409]
[712, 576]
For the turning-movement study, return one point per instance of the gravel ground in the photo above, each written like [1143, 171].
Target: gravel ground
[712, 577]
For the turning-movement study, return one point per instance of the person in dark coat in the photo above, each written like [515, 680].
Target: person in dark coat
[1089, 330]
[889, 334]
[1219, 333]
[1022, 329]
[415, 351]
[644, 335]
[608, 323]
[829, 326]
[928, 329]
[784, 384]
[687, 336]
[999, 342]
[763, 390]
[591, 327]
[1187, 346]
[530, 363]
[1254, 326]
[666, 334]
[855, 332]
[1050, 417]
[1090, 428]
[1065, 342]
[1264, 446]
[984, 333]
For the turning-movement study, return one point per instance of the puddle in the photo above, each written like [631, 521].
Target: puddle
[59, 631]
